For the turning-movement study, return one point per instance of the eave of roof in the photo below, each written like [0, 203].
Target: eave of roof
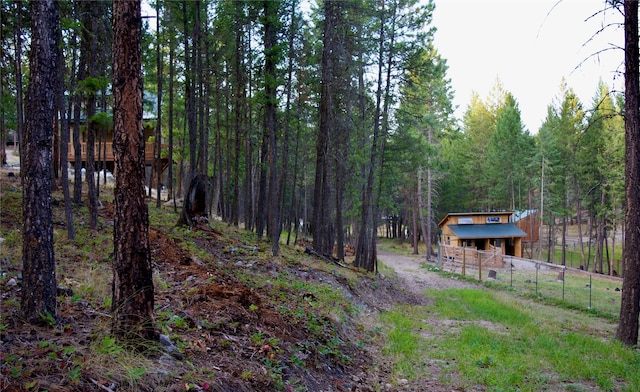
[487, 213]
[490, 230]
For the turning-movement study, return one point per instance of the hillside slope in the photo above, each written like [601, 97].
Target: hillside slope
[231, 316]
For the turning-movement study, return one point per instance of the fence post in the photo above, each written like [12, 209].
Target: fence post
[590, 290]
[564, 277]
[479, 266]
[511, 271]
[464, 260]
[439, 255]
[537, 269]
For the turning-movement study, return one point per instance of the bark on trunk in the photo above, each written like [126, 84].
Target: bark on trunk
[38, 276]
[18, 71]
[132, 304]
[61, 104]
[630, 307]
[423, 228]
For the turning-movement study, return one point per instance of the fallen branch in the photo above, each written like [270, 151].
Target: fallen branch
[328, 259]
[111, 388]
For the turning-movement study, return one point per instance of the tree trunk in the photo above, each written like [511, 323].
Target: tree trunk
[365, 255]
[217, 159]
[158, 141]
[77, 148]
[89, 174]
[289, 217]
[132, 304]
[261, 216]
[170, 185]
[39, 275]
[430, 185]
[77, 105]
[239, 101]
[190, 109]
[321, 216]
[271, 84]
[60, 106]
[630, 307]
[564, 240]
[551, 233]
[423, 225]
[589, 244]
[612, 270]
[90, 20]
[600, 242]
[3, 127]
[414, 221]
[579, 218]
[18, 72]
[199, 73]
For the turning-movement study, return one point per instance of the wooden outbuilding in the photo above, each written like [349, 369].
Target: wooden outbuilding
[527, 221]
[484, 231]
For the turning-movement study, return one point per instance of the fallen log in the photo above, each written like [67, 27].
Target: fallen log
[328, 259]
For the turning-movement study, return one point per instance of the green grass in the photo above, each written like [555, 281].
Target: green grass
[590, 292]
[506, 344]
[573, 257]
[404, 345]
[397, 246]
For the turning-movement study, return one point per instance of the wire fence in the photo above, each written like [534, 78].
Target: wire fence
[582, 289]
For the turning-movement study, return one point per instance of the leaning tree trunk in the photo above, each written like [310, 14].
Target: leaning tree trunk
[630, 307]
[39, 272]
[132, 304]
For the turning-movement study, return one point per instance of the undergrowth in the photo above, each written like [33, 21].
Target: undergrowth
[272, 323]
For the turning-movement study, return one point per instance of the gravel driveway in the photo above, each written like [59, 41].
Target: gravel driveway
[418, 278]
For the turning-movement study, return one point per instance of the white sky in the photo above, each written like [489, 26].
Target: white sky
[529, 45]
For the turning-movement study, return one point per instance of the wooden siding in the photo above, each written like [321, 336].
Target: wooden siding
[477, 218]
[530, 225]
[148, 153]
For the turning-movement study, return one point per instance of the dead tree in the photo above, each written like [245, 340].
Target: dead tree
[194, 208]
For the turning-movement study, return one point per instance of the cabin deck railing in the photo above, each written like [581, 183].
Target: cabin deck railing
[106, 152]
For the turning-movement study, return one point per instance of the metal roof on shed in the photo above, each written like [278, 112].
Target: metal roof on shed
[491, 230]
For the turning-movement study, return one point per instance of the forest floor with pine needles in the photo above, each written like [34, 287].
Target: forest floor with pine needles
[231, 316]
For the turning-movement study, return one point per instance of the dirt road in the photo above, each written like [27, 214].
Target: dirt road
[418, 279]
